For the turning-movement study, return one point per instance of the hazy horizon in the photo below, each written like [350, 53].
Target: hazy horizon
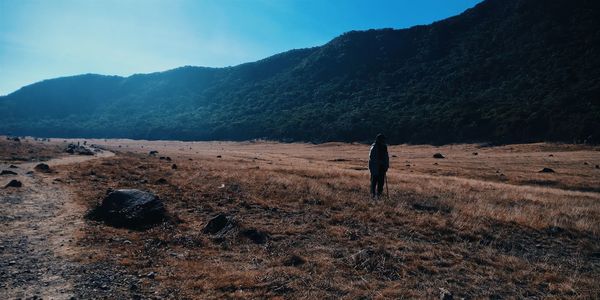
[43, 40]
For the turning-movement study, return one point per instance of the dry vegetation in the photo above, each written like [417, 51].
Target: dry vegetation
[25, 150]
[485, 225]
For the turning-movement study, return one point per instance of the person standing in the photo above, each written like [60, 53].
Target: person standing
[379, 162]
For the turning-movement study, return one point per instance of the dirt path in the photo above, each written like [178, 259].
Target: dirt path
[38, 223]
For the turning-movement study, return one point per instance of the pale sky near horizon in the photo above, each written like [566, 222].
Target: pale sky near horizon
[46, 39]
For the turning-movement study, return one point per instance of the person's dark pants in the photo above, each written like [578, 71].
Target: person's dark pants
[377, 182]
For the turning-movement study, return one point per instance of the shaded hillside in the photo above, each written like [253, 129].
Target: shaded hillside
[503, 71]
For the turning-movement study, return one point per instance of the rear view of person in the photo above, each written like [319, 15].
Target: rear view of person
[379, 162]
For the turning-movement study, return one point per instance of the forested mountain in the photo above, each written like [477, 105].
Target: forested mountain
[503, 71]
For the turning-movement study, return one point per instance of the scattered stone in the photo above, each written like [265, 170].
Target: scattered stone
[161, 181]
[221, 223]
[44, 168]
[219, 156]
[151, 275]
[14, 183]
[597, 166]
[424, 207]
[13, 167]
[257, 236]
[294, 260]
[7, 172]
[475, 153]
[585, 163]
[153, 153]
[168, 158]
[438, 156]
[339, 160]
[130, 208]
[551, 155]
[446, 294]
[546, 170]
[78, 149]
[174, 166]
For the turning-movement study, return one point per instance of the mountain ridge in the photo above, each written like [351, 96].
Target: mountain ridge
[502, 71]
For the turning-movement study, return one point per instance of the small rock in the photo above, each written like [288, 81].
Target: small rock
[168, 158]
[13, 167]
[475, 153]
[161, 181]
[151, 275]
[257, 236]
[219, 223]
[438, 156]
[7, 172]
[446, 294]
[14, 183]
[153, 153]
[597, 166]
[44, 168]
[294, 260]
[174, 166]
[546, 170]
[219, 156]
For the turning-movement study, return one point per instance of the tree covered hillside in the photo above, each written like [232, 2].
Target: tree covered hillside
[503, 71]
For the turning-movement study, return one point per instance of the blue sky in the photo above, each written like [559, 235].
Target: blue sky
[44, 39]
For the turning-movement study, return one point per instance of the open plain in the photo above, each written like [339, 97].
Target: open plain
[483, 222]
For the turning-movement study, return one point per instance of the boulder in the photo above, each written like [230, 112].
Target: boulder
[438, 156]
[42, 167]
[7, 172]
[130, 208]
[14, 183]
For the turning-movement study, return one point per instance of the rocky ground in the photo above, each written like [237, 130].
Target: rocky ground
[39, 229]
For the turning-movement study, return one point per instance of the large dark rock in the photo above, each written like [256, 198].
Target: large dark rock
[130, 208]
[42, 167]
[14, 183]
[7, 172]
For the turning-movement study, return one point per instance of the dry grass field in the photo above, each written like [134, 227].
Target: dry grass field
[481, 223]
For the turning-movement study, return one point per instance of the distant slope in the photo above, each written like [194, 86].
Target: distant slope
[503, 71]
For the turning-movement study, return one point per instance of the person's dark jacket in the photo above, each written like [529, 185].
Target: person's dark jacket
[379, 161]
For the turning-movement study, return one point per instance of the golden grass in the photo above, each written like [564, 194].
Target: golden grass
[485, 225]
